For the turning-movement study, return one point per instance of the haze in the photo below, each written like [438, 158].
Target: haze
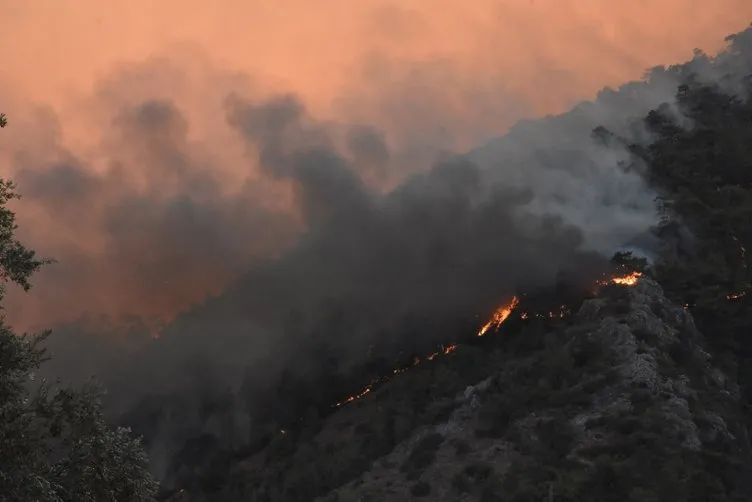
[431, 76]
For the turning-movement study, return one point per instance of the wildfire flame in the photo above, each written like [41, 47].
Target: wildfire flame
[623, 280]
[736, 296]
[360, 394]
[561, 314]
[368, 388]
[499, 316]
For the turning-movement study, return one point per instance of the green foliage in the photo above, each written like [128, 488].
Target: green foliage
[55, 445]
[629, 262]
[17, 263]
[705, 174]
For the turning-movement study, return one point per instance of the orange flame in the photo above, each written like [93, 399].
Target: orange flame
[627, 280]
[498, 317]
[623, 280]
[368, 388]
[736, 296]
[360, 394]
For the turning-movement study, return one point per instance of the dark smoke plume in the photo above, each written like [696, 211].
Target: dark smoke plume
[370, 266]
[320, 258]
[305, 251]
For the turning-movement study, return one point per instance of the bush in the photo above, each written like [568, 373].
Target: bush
[461, 483]
[461, 447]
[420, 489]
[423, 455]
[493, 419]
[478, 471]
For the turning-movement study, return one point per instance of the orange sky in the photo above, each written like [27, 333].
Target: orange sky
[550, 51]
[439, 73]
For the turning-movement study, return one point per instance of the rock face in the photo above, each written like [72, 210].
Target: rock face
[645, 343]
[617, 402]
[624, 397]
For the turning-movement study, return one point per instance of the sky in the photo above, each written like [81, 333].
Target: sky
[431, 76]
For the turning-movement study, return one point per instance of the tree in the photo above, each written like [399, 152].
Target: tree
[55, 444]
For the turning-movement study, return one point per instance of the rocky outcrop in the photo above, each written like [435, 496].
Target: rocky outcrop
[640, 371]
[644, 343]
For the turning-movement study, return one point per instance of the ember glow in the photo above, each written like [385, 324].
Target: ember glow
[443, 350]
[561, 314]
[736, 296]
[499, 316]
[360, 394]
[627, 280]
[623, 280]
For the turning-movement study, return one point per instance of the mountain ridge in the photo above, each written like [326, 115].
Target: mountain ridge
[694, 152]
[637, 339]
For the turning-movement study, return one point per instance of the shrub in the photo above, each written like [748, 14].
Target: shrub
[420, 489]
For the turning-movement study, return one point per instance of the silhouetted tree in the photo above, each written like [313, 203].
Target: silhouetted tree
[55, 444]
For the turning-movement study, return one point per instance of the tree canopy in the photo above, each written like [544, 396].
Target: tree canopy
[55, 445]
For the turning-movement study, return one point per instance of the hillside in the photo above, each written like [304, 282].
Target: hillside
[622, 404]
[618, 401]
[639, 392]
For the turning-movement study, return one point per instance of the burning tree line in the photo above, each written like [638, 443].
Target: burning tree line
[494, 323]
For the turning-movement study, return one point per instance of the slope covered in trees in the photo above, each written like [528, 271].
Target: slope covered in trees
[697, 154]
[705, 174]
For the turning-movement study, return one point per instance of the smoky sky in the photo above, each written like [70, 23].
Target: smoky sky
[185, 158]
[369, 265]
[396, 268]
[396, 86]
[262, 190]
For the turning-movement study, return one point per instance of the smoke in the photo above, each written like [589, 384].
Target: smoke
[156, 230]
[400, 92]
[365, 263]
[254, 184]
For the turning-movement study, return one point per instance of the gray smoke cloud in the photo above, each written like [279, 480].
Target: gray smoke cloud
[450, 241]
[313, 242]
[370, 265]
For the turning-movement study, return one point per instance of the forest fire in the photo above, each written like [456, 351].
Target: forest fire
[561, 314]
[444, 350]
[624, 280]
[360, 394]
[736, 296]
[500, 315]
